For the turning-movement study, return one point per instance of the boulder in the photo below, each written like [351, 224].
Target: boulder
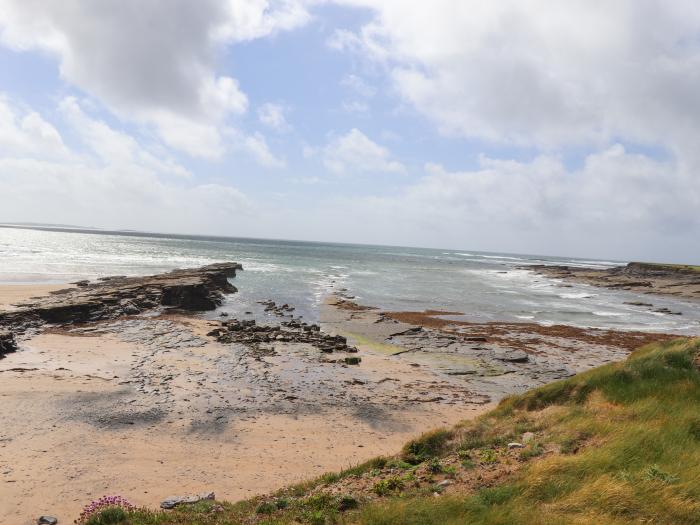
[173, 501]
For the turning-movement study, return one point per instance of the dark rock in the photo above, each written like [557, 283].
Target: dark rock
[189, 289]
[47, 520]
[7, 343]
[352, 360]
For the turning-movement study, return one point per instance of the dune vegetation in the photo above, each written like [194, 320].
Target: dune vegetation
[617, 444]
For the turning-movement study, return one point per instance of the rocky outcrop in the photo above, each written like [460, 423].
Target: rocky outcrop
[7, 343]
[663, 279]
[252, 334]
[189, 289]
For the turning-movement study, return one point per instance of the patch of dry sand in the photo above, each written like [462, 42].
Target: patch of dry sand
[15, 293]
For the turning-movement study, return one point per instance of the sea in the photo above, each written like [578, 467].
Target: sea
[481, 286]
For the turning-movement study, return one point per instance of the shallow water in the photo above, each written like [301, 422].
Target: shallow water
[485, 286]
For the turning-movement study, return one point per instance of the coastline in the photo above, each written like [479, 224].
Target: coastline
[150, 406]
[150, 399]
[680, 282]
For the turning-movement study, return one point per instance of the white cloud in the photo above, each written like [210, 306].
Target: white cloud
[356, 106]
[111, 147]
[27, 133]
[115, 182]
[152, 62]
[358, 85]
[251, 19]
[354, 152]
[541, 73]
[257, 146]
[616, 204]
[273, 116]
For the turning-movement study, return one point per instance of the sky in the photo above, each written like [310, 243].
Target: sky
[527, 126]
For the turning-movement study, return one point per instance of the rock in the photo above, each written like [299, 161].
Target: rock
[515, 445]
[173, 501]
[512, 356]
[7, 343]
[528, 436]
[188, 289]
[47, 520]
[352, 360]
[444, 483]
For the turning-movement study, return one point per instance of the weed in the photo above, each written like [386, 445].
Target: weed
[531, 451]
[488, 455]
[434, 466]
[428, 445]
[388, 485]
[654, 472]
[266, 507]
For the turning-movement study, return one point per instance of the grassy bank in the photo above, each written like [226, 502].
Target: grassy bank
[618, 444]
[671, 267]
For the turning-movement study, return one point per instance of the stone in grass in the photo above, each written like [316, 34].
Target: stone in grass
[352, 360]
[515, 445]
[173, 501]
[47, 520]
[528, 436]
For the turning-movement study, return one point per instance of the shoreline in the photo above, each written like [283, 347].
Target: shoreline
[175, 403]
[150, 406]
[679, 282]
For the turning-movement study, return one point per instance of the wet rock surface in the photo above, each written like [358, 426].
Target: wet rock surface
[674, 280]
[111, 297]
[495, 359]
[257, 336]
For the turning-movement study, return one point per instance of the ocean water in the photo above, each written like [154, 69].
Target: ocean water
[484, 286]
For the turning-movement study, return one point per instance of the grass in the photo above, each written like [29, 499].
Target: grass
[687, 267]
[618, 444]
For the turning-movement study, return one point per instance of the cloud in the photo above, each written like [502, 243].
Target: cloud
[155, 61]
[27, 133]
[256, 145]
[112, 182]
[358, 85]
[616, 204]
[541, 74]
[272, 116]
[354, 152]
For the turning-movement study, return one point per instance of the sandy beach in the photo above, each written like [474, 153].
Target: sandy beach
[15, 293]
[148, 401]
[155, 408]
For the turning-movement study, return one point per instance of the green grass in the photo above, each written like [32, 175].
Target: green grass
[687, 267]
[642, 464]
[618, 444]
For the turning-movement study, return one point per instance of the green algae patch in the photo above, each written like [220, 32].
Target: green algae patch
[372, 345]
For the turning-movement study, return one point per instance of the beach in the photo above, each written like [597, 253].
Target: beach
[155, 408]
[150, 401]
